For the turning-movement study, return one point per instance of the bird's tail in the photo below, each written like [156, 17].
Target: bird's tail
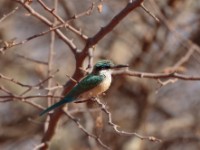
[65, 100]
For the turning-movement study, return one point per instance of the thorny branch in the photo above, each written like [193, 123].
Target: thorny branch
[115, 127]
[85, 131]
[36, 86]
[173, 75]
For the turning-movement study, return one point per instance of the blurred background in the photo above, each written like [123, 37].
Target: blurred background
[170, 112]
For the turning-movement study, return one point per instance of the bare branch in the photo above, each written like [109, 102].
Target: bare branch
[159, 75]
[86, 132]
[66, 23]
[149, 12]
[31, 59]
[9, 14]
[111, 25]
[71, 45]
[121, 132]
[38, 146]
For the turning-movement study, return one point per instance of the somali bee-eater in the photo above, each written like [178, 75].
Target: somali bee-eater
[94, 84]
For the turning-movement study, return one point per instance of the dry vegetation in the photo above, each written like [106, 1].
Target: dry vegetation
[47, 44]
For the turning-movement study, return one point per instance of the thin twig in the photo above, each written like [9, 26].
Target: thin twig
[90, 58]
[14, 81]
[115, 126]
[51, 56]
[39, 85]
[149, 12]
[43, 19]
[66, 23]
[5, 90]
[52, 28]
[173, 75]
[28, 97]
[31, 59]
[184, 40]
[79, 125]
[25, 99]
[72, 79]
[110, 26]
[38, 146]
[36, 86]
[184, 59]
[9, 14]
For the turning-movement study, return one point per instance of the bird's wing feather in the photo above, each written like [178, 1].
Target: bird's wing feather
[87, 83]
[56, 105]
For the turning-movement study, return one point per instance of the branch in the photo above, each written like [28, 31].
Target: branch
[184, 59]
[14, 81]
[85, 131]
[186, 42]
[66, 23]
[111, 25]
[31, 59]
[121, 132]
[159, 75]
[52, 28]
[9, 14]
[69, 42]
[28, 97]
[37, 86]
[25, 99]
[38, 146]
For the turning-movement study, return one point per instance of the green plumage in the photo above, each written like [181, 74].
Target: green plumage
[86, 84]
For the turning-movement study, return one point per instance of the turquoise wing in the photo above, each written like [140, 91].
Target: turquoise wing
[58, 104]
[84, 85]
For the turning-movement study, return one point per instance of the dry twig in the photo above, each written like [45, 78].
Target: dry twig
[115, 127]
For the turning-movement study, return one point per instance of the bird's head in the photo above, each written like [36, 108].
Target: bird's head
[106, 65]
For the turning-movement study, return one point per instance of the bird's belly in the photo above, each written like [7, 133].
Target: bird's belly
[102, 87]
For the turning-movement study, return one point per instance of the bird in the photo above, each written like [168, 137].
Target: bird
[94, 84]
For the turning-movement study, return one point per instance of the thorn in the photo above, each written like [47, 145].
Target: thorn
[72, 79]
[52, 10]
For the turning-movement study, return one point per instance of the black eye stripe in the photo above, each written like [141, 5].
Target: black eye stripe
[102, 67]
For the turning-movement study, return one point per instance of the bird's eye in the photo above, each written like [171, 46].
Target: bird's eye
[98, 67]
[106, 67]
[102, 67]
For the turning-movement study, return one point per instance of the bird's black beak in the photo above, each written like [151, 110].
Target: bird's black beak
[119, 66]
